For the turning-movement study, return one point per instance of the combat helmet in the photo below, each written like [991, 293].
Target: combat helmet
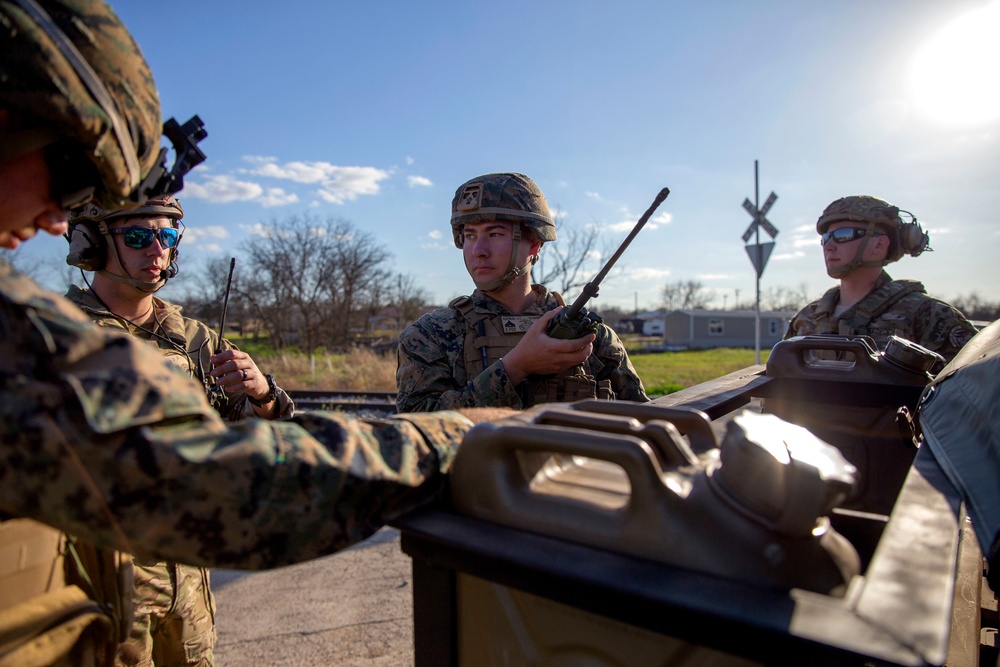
[881, 217]
[76, 85]
[90, 238]
[503, 197]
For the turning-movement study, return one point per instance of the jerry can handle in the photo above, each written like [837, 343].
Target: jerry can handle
[487, 480]
[791, 356]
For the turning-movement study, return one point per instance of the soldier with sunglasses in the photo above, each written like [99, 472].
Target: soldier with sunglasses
[860, 235]
[133, 253]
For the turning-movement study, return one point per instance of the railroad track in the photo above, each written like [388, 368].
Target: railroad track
[347, 401]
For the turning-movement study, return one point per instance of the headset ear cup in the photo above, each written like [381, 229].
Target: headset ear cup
[913, 239]
[87, 247]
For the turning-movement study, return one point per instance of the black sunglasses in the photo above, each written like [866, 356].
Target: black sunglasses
[845, 235]
[142, 237]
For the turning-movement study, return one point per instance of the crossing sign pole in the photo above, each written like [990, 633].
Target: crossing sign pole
[758, 252]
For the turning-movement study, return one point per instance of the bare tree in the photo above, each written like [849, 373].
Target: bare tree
[784, 298]
[310, 279]
[685, 295]
[975, 307]
[561, 265]
[357, 282]
[408, 300]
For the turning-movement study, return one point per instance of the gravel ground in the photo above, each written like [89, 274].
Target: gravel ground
[352, 608]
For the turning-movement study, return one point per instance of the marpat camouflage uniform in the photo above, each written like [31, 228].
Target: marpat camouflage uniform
[431, 373]
[174, 613]
[893, 307]
[104, 439]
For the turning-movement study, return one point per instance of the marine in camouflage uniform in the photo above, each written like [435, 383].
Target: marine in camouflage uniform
[100, 436]
[861, 234]
[490, 348]
[174, 609]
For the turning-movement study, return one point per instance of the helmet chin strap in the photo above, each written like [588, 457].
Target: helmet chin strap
[513, 272]
[140, 285]
[857, 262]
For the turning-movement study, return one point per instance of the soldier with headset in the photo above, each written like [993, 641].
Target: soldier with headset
[860, 235]
[133, 252]
[491, 348]
[104, 444]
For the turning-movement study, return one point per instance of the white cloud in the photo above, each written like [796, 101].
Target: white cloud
[349, 183]
[594, 195]
[415, 181]
[649, 274]
[300, 172]
[222, 189]
[436, 234]
[196, 234]
[278, 197]
[337, 184]
[409, 160]
[654, 222]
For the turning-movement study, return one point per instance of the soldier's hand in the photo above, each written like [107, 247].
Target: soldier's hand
[539, 354]
[235, 371]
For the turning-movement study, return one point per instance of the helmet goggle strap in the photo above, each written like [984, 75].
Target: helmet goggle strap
[513, 272]
[857, 262]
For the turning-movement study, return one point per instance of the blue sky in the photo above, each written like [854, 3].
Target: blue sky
[375, 112]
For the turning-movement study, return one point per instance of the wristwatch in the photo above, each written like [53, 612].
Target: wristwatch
[271, 394]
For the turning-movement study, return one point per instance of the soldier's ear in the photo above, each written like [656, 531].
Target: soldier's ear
[882, 242]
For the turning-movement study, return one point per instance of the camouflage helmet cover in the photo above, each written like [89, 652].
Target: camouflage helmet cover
[166, 206]
[71, 70]
[905, 238]
[859, 208]
[501, 197]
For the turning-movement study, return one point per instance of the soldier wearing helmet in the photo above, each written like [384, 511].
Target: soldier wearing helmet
[490, 348]
[133, 252]
[104, 442]
[860, 235]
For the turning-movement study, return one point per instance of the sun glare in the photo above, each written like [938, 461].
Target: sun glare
[955, 75]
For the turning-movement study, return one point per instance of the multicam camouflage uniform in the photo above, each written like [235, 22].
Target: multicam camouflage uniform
[174, 619]
[432, 371]
[893, 307]
[104, 439]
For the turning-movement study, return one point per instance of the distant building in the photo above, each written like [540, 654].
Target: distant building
[701, 329]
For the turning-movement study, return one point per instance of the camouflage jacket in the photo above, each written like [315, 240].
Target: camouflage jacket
[431, 373]
[104, 439]
[893, 307]
[187, 343]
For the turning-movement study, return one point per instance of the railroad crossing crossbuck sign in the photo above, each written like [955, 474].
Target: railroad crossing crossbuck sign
[760, 252]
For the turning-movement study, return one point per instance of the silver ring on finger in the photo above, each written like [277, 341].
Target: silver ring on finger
[244, 372]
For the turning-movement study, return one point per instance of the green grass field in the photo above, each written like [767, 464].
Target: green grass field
[661, 372]
[666, 372]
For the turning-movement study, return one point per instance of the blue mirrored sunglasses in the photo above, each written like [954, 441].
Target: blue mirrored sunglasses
[142, 237]
[845, 235]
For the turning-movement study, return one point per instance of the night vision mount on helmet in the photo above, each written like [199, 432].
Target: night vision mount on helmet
[881, 218]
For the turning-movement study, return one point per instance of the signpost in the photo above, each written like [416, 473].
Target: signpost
[759, 252]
